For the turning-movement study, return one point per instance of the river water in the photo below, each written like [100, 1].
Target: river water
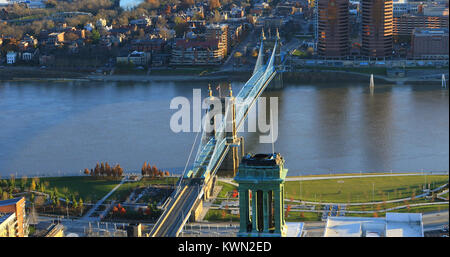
[128, 4]
[60, 128]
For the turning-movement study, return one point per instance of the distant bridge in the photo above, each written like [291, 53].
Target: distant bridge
[212, 151]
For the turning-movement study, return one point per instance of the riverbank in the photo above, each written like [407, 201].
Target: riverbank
[322, 75]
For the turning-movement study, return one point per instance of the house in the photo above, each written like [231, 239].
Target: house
[29, 54]
[144, 22]
[81, 33]
[148, 45]
[11, 57]
[55, 38]
[32, 41]
[135, 57]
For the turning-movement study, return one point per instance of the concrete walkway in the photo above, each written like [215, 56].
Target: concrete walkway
[87, 216]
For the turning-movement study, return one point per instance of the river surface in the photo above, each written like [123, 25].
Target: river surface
[60, 128]
[128, 4]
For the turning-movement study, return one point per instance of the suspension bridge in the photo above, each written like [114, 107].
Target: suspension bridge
[194, 185]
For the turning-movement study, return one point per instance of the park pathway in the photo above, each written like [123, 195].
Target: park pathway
[87, 216]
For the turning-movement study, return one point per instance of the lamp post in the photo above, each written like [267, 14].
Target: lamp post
[373, 192]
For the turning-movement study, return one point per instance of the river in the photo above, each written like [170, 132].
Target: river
[60, 128]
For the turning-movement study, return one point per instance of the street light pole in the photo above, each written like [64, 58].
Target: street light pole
[373, 192]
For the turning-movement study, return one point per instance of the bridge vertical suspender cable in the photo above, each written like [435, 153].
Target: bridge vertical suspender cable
[189, 158]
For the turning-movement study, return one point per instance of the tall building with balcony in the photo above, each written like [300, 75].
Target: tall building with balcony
[377, 28]
[220, 33]
[197, 52]
[333, 28]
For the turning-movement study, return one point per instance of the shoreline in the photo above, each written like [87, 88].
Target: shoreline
[292, 177]
[21, 73]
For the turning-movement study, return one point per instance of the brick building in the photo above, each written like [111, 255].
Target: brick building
[405, 24]
[12, 217]
[430, 44]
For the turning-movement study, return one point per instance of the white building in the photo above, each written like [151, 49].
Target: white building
[11, 57]
[393, 225]
[89, 27]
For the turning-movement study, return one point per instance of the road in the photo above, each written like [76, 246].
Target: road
[175, 217]
[249, 40]
[434, 221]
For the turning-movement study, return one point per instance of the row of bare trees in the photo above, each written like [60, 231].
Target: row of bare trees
[104, 169]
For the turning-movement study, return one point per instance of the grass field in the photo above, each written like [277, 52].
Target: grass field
[88, 188]
[414, 209]
[221, 215]
[349, 190]
[360, 189]
[93, 189]
[304, 216]
[354, 190]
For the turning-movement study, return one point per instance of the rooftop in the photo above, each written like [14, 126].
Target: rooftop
[5, 216]
[393, 225]
[428, 32]
[294, 229]
[10, 201]
[262, 159]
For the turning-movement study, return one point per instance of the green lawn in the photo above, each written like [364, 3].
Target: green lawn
[426, 208]
[86, 187]
[218, 215]
[93, 189]
[414, 209]
[348, 190]
[304, 216]
[360, 189]
[353, 189]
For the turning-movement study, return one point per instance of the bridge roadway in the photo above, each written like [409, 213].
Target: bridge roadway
[180, 210]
